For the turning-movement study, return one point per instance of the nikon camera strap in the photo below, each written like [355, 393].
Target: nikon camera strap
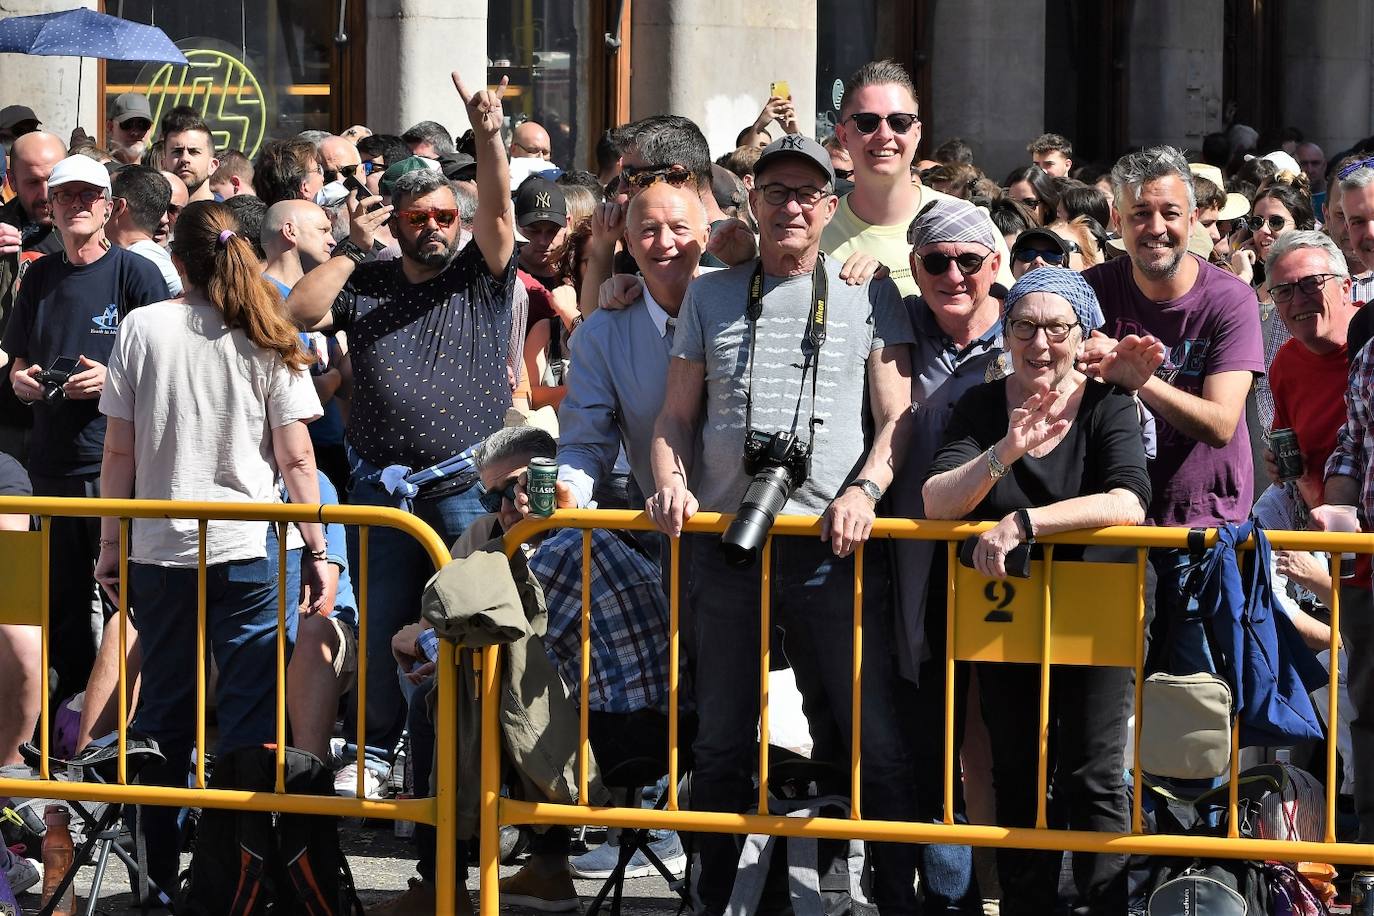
[815, 335]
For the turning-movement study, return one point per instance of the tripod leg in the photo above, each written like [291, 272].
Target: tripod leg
[102, 860]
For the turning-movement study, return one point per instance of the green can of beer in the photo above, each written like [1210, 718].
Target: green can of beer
[543, 475]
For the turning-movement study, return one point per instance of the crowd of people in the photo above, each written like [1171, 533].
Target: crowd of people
[835, 328]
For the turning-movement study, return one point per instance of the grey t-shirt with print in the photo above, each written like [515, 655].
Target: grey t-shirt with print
[713, 330]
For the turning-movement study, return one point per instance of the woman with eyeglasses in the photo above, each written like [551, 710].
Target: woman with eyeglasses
[1278, 207]
[207, 398]
[1040, 452]
[1032, 186]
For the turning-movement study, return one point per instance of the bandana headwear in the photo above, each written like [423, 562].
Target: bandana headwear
[1067, 284]
[952, 221]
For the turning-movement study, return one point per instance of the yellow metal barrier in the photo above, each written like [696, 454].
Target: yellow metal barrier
[1067, 613]
[24, 600]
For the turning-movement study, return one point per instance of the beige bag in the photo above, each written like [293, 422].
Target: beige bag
[1185, 730]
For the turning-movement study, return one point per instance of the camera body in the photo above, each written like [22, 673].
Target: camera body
[54, 377]
[763, 451]
[778, 462]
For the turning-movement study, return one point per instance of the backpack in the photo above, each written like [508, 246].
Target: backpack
[1290, 893]
[1198, 887]
[254, 863]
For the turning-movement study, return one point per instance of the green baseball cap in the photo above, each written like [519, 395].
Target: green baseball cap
[394, 172]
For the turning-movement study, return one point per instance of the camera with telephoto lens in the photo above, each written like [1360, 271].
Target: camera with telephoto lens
[54, 377]
[779, 462]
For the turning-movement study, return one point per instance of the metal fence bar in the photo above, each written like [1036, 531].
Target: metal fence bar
[360, 752]
[281, 665]
[121, 727]
[202, 577]
[489, 838]
[1333, 723]
[584, 744]
[45, 614]
[856, 689]
[951, 566]
[1137, 774]
[674, 665]
[765, 662]
[1042, 766]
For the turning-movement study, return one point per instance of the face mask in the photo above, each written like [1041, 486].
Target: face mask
[332, 194]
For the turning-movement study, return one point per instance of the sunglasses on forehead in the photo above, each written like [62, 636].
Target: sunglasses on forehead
[641, 178]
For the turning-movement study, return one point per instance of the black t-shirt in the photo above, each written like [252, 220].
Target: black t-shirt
[1360, 331]
[1102, 451]
[429, 359]
[38, 240]
[67, 310]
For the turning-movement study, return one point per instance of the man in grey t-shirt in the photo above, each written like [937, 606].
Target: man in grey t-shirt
[856, 450]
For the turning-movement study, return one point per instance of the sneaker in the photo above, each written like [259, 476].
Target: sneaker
[21, 873]
[600, 863]
[346, 782]
[546, 893]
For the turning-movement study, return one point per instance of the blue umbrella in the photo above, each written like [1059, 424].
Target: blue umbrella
[85, 33]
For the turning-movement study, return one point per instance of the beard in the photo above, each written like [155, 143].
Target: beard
[415, 250]
[1162, 271]
[131, 154]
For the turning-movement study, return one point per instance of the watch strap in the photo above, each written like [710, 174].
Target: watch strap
[996, 469]
[1023, 517]
[871, 489]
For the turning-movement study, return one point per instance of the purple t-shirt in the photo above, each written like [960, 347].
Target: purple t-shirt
[1214, 327]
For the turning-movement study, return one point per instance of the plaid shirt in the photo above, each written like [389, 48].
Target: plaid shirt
[1355, 441]
[629, 620]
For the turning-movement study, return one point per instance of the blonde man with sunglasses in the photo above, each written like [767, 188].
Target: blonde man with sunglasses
[880, 130]
[429, 335]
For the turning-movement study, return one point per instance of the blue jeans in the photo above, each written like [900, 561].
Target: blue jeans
[813, 604]
[397, 570]
[241, 624]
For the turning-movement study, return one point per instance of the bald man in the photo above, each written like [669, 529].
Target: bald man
[296, 237]
[181, 196]
[341, 159]
[531, 140]
[26, 234]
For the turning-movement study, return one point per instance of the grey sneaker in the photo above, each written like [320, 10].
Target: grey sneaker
[21, 873]
[599, 863]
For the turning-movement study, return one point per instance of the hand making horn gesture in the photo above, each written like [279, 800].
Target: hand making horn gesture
[484, 107]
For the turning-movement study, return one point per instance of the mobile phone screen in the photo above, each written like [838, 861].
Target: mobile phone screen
[63, 364]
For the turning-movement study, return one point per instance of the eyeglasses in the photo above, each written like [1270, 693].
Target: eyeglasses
[532, 150]
[778, 195]
[419, 219]
[867, 122]
[1354, 167]
[641, 178]
[1256, 223]
[969, 263]
[1055, 257]
[1310, 286]
[1055, 331]
[491, 500]
[369, 166]
[64, 198]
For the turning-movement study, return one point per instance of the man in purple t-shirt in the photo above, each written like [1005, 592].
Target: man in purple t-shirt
[1207, 323]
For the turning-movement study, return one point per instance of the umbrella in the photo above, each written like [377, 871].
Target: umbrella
[83, 33]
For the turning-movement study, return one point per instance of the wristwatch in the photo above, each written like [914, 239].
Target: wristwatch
[871, 489]
[347, 249]
[318, 554]
[996, 469]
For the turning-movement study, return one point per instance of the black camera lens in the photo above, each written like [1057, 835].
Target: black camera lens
[767, 494]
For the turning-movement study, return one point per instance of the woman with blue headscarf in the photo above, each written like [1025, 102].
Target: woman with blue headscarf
[1042, 451]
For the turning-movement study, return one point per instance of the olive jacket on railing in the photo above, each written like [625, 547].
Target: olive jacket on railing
[485, 599]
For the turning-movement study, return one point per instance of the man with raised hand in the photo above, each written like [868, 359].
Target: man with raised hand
[428, 334]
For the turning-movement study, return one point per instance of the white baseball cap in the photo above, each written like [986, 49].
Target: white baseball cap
[79, 169]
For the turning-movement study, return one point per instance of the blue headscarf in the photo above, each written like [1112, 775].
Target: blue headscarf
[1067, 284]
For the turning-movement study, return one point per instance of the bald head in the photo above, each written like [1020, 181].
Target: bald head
[301, 226]
[530, 139]
[337, 153]
[665, 232]
[180, 196]
[32, 157]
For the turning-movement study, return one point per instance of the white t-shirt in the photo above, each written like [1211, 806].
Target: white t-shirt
[163, 259]
[204, 402]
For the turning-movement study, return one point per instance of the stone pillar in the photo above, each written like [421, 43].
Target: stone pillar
[713, 61]
[412, 45]
[52, 85]
[987, 80]
[1175, 72]
[1326, 70]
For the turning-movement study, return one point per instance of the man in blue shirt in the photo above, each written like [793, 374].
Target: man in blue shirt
[67, 314]
[620, 358]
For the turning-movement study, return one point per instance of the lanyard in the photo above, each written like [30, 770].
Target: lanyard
[815, 335]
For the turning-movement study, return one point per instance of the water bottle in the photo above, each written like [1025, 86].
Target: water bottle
[57, 859]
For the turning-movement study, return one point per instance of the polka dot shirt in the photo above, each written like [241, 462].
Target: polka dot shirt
[429, 359]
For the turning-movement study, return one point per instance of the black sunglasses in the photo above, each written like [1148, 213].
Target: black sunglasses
[867, 122]
[969, 263]
[1255, 223]
[1052, 256]
[491, 499]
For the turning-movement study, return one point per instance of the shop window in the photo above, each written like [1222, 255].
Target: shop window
[535, 44]
[259, 69]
